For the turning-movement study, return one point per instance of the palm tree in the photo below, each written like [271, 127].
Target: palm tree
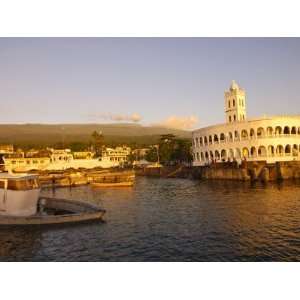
[98, 142]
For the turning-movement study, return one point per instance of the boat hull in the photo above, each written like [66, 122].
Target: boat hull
[114, 184]
[79, 211]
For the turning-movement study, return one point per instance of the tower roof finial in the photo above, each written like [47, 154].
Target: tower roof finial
[234, 85]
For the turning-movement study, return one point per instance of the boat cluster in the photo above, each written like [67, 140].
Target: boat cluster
[21, 204]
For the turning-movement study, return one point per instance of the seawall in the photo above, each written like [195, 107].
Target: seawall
[254, 171]
[250, 171]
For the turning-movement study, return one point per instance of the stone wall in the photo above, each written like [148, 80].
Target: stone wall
[252, 171]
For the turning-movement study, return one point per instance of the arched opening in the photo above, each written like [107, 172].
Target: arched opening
[198, 158]
[245, 153]
[217, 155]
[269, 131]
[233, 103]
[229, 119]
[252, 133]
[230, 136]
[262, 152]
[210, 139]
[222, 138]
[216, 139]
[279, 150]
[253, 152]
[238, 153]
[236, 135]
[278, 130]
[294, 130]
[201, 141]
[286, 130]
[223, 155]
[205, 140]
[211, 155]
[197, 142]
[206, 156]
[295, 150]
[234, 117]
[202, 156]
[244, 134]
[230, 154]
[287, 150]
[271, 150]
[260, 132]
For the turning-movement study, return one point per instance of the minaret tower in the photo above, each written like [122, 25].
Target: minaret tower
[235, 103]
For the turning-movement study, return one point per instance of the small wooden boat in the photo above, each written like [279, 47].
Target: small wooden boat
[20, 204]
[112, 184]
[113, 179]
[57, 211]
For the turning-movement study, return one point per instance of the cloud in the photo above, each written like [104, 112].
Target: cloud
[117, 117]
[179, 122]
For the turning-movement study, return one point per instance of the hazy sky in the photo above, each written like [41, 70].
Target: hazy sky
[69, 80]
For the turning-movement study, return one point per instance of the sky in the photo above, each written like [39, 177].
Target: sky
[174, 82]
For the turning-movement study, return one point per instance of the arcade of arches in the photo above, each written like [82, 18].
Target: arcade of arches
[260, 143]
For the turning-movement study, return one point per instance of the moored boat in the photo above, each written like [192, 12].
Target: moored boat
[113, 184]
[21, 204]
[114, 179]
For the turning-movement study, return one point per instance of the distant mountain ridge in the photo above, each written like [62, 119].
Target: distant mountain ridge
[49, 134]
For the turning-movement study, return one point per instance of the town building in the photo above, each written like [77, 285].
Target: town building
[6, 149]
[26, 163]
[83, 154]
[118, 154]
[269, 139]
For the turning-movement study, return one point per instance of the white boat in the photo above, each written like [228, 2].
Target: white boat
[19, 194]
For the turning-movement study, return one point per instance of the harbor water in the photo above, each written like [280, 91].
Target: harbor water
[170, 220]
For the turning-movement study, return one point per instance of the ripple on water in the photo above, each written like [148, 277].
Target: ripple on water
[171, 220]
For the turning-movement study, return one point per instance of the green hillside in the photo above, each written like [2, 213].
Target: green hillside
[42, 135]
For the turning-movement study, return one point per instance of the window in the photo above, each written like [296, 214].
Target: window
[233, 103]
[234, 117]
[229, 119]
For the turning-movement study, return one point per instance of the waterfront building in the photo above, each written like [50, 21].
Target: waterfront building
[6, 149]
[52, 159]
[26, 163]
[269, 139]
[83, 154]
[60, 155]
[118, 154]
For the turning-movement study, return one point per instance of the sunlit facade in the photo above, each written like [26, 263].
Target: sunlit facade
[268, 139]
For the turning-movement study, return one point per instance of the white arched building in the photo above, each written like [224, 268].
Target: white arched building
[269, 139]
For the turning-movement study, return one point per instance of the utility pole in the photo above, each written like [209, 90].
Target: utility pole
[157, 152]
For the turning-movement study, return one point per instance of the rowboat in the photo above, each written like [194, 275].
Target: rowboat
[113, 179]
[113, 184]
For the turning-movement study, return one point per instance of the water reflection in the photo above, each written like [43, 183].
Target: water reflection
[18, 244]
[172, 220]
